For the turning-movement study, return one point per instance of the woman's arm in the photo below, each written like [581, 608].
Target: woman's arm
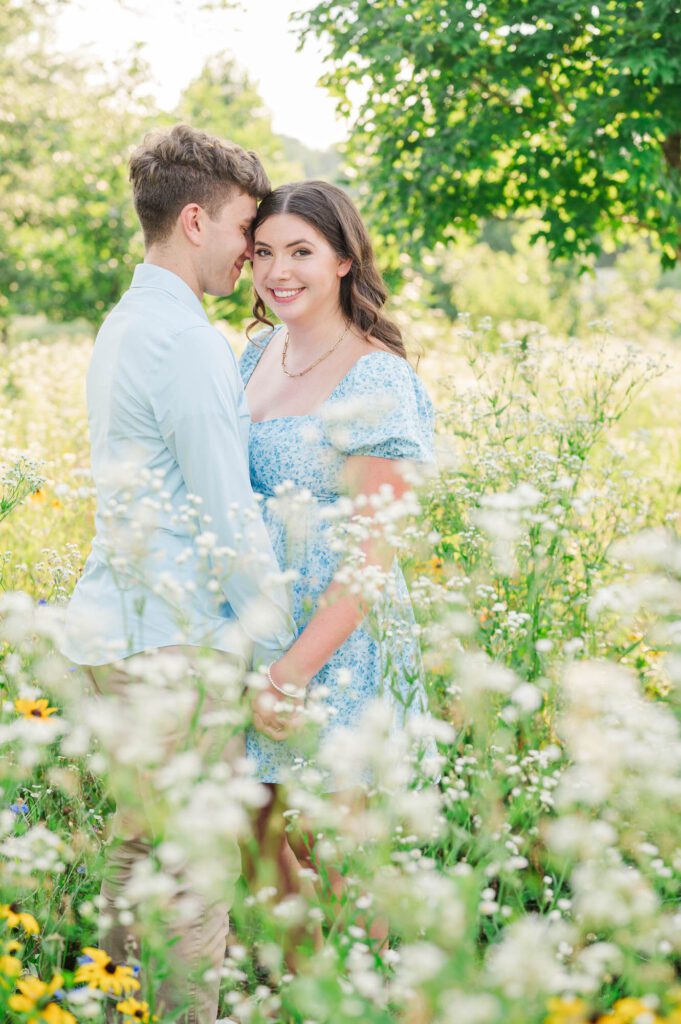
[339, 613]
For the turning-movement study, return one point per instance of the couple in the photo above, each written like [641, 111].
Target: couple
[181, 439]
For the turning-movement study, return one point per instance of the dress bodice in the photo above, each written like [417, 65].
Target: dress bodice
[380, 408]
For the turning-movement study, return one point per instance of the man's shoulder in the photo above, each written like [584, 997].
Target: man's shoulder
[161, 325]
[148, 308]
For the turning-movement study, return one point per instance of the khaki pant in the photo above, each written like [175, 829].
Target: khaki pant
[196, 945]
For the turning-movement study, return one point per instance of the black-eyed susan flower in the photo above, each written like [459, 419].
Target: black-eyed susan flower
[628, 1011]
[34, 998]
[135, 1012]
[567, 1011]
[16, 917]
[34, 708]
[10, 965]
[103, 973]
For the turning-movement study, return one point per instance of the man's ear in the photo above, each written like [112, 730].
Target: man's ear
[190, 220]
[344, 266]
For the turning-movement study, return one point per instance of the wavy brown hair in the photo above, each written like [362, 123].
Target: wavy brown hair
[184, 165]
[362, 290]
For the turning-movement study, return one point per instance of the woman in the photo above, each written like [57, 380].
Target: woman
[336, 408]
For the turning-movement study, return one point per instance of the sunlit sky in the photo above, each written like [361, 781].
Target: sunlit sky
[177, 40]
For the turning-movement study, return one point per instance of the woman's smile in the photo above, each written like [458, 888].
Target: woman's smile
[285, 294]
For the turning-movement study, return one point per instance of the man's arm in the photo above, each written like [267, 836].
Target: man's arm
[202, 429]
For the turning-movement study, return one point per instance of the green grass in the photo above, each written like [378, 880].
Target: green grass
[544, 863]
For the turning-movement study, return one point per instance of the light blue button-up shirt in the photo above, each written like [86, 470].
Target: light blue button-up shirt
[181, 554]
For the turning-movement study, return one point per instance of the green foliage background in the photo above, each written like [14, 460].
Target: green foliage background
[594, 426]
[473, 109]
[499, 151]
[69, 238]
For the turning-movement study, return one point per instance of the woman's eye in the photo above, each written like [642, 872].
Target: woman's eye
[302, 252]
[261, 252]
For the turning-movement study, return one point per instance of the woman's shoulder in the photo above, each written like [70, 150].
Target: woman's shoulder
[386, 371]
[255, 347]
[383, 409]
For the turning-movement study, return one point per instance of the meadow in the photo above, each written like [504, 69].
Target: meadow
[531, 876]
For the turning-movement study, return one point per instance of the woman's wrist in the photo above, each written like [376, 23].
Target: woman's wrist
[284, 681]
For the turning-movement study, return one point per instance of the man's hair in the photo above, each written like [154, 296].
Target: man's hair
[183, 165]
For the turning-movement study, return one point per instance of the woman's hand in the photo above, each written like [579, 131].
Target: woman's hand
[338, 613]
[277, 714]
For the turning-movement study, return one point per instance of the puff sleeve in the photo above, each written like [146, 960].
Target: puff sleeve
[384, 410]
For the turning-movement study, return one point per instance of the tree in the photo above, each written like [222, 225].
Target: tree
[68, 233]
[222, 100]
[316, 163]
[475, 109]
[69, 236]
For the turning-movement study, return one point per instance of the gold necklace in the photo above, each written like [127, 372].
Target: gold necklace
[316, 362]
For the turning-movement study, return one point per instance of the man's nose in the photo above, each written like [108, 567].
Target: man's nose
[248, 252]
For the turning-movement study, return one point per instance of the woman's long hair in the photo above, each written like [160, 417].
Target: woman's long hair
[362, 291]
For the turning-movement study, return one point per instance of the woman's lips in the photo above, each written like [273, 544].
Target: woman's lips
[285, 295]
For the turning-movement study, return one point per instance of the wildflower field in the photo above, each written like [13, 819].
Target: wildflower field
[531, 877]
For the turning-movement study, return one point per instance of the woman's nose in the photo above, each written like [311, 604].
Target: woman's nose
[279, 268]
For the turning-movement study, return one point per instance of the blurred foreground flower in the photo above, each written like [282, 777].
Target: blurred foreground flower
[567, 1011]
[34, 708]
[14, 916]
[34, 999]
[103, 973]
[135, 1012]
[632, 1011]
[10, 965]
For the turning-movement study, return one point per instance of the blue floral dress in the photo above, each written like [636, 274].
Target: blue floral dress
[379, 408]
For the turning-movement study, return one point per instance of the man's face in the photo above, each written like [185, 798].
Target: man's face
[227, 244]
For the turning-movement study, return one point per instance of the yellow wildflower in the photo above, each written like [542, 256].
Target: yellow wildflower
[33, 998]
[135, 1012]
[34, 708]
[567, 1011]
[14, 916]
[105, 974]
[628, 1010]
[10, 966]
[435, 568]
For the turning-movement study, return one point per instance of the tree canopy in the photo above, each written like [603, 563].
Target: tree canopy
[473, 109]
[69, 237]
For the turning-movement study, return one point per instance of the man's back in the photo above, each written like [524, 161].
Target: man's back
[169, 439]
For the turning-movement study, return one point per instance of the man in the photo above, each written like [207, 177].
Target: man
[181, 559]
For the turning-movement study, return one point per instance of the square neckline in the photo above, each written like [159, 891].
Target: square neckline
[305, 415]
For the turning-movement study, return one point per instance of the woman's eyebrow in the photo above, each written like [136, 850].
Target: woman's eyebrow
[289, 245]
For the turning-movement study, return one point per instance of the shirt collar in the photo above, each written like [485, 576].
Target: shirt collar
[148, 275]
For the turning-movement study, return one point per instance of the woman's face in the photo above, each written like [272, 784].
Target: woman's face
[295, 271]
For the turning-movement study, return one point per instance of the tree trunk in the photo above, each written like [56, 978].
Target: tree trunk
[671, 147]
